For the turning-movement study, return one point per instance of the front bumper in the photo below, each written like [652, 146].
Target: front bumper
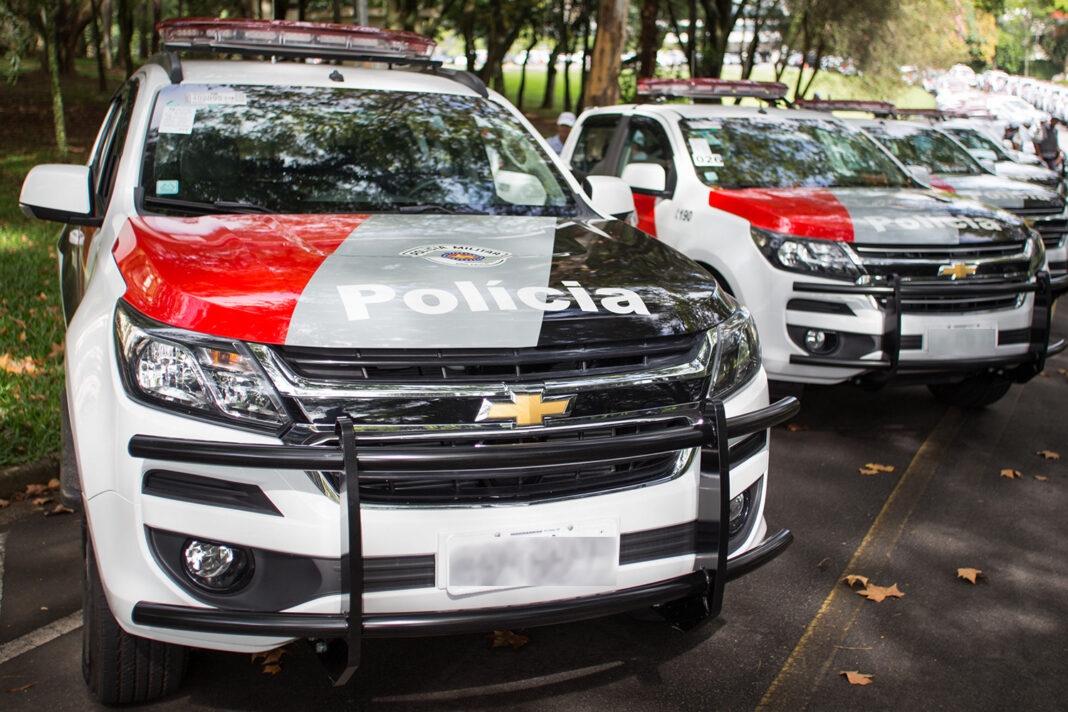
[700, 590]
[1019, 366]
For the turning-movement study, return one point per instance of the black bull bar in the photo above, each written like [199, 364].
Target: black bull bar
[685, 601]
[1020, 367]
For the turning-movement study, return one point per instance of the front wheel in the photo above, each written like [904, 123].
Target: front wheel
[972, 392]
[118, 667]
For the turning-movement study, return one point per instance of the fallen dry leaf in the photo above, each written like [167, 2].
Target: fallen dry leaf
[53, 484]
[42, 501]
[852, 580]
[20, 689]
[34, 490]
[1041, 478]
[272, 669]
[970, 574]
[796, 427]
[856, 677]
[1062, 371]
[4, 503]
[1048, 455]
[59, 509]
[22, 337]
[502, 638]
[880, 593]
[57, 348]
[17, 366]
[1011, 474]
[873, 468]
[1043, 373]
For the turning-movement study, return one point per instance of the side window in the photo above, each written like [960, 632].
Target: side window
[646, 142]
[591, 151]
[109, 145]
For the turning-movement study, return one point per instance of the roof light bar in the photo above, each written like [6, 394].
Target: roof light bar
[712, 88]
[284, 38]
[879, 108]
[931, 113]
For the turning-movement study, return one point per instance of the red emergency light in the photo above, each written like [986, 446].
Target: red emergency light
[286, 38]
[879, 108]
[704, 88]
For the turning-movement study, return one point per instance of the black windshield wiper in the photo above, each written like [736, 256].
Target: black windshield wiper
[435, 208]
[219, 206]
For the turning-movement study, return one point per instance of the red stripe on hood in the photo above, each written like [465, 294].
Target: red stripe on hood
[805, 212]
[236, 276]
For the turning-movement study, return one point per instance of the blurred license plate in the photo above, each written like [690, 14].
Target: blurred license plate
[570, 555]
[961, 342]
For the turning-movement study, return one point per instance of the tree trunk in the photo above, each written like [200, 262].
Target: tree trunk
[691, 39]
[157, 15]
[650, 39]
[549, 99]
[281, 7]
[603, 86]
[105, 31]
[523, 72]
[585, 62]
[58, 118]
[125, 13]
[567, 82]
[336, 7]
[98, 49]
[820, 49]
[143, 18]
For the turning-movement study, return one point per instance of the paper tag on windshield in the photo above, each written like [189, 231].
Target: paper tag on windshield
[177, 119]
[702, 154]
[229, 98]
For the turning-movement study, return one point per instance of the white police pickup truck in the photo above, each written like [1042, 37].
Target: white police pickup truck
[349, 354]
[852, 269]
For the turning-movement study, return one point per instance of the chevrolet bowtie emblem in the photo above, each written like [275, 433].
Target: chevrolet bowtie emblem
[957, 270]
[524, 408]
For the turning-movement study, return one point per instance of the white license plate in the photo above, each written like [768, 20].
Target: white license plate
[966, 341]
[567, 555]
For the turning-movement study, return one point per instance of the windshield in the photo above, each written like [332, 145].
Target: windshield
[929, 148]
[213, 148]
[751, 153]
[976, 141]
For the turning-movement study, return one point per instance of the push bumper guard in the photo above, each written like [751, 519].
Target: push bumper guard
[684, 601]
[1021, 367]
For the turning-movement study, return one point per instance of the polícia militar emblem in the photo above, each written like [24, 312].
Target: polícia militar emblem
[459, 255]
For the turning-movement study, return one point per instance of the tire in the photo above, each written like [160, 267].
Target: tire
[120, 668]
[972, 392]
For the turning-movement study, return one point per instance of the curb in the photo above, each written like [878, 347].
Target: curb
[15, 478]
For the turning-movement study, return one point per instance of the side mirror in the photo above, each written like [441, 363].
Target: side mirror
[920, 174]
[645, 176]
[58, 192]
[611, 196]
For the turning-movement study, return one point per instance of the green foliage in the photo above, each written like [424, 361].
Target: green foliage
[30, 324]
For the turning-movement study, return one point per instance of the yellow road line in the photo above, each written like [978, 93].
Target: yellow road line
[793, 686]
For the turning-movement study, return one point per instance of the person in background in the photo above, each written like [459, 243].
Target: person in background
[1047, 146]
[564, 122]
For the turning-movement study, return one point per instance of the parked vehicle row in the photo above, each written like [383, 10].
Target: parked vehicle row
[852, 266]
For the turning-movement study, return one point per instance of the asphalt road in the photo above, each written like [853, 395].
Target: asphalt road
[787, 630]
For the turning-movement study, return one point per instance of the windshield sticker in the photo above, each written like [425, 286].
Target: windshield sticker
[166, 187]
[177, 120]
[702, 154]
[228, 98]
[459, 255]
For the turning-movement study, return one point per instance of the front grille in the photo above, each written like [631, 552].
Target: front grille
[423, 366]
[517, 483]
[1031, 210]
[996, 264]
[955, 305]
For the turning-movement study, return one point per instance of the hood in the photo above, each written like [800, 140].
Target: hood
[876, 216]
[1028, 173]
[1003, 192]
[412, 281]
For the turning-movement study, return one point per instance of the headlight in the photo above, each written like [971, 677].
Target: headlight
[192, 373]
[1035, 250]
[826, 258]
[737, 357]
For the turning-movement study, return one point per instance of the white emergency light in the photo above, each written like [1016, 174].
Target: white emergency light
[704, 88]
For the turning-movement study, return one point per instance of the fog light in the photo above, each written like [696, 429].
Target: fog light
[216, 567]
[818, 341]
[738, 513]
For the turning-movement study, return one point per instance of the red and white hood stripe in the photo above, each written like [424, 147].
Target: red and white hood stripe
[865, 215]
